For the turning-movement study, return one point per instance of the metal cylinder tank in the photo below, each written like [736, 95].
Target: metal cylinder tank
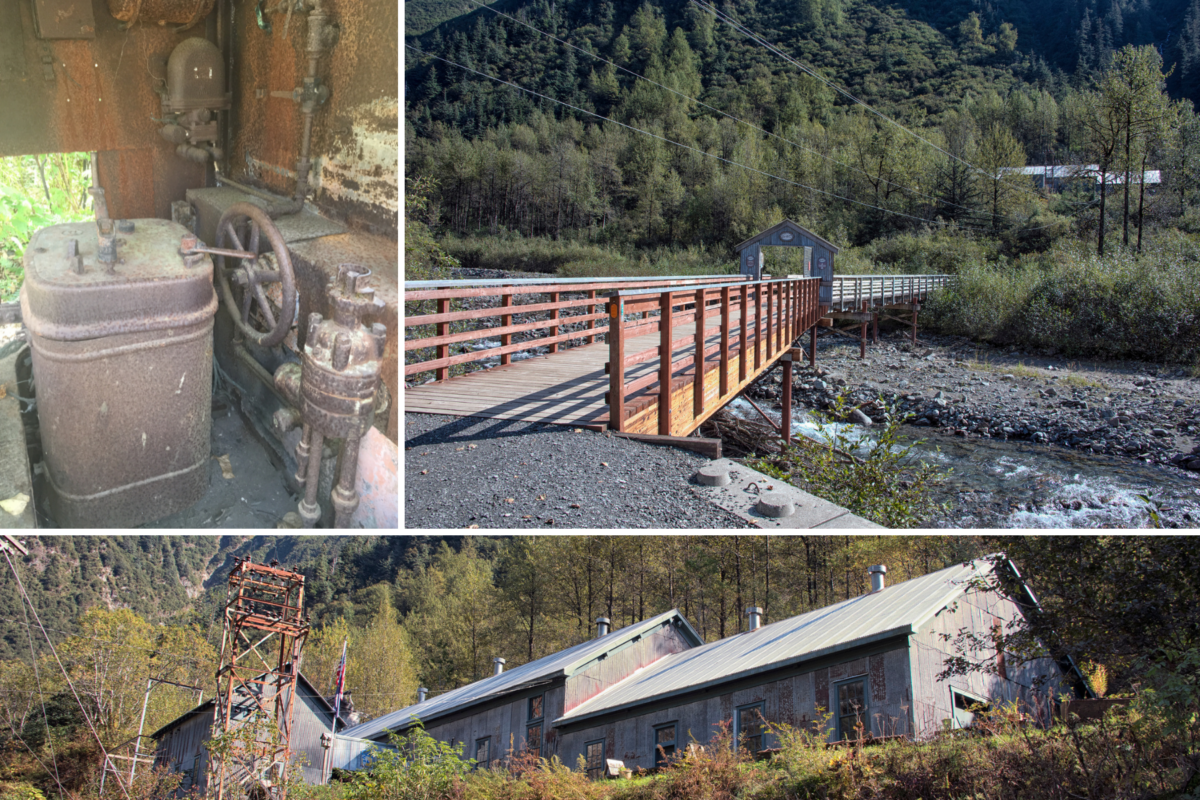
[120, 329]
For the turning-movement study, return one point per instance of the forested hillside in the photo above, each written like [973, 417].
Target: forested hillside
[434, 611]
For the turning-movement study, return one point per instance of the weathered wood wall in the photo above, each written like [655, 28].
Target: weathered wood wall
[978, 612]
[797, 700]
[505, 721]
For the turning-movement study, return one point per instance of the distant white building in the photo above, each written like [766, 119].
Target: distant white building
[1056, 179]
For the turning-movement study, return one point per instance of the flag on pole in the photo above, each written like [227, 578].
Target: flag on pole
[340, 684]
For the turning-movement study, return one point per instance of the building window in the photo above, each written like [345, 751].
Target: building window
[664, 744]
[750, 727]
[966, 708]
[594, 754]
[853, 722]
[483, 752]
[533, 740]
[535, 707]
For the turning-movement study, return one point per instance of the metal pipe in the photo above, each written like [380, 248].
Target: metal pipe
[258, 370]
[310, 511]
[344, 496]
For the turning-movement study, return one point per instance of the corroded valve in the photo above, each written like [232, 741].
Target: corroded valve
[335, 387]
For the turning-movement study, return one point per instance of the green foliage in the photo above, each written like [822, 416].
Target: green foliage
[415, 767]
[1071, 301]
[881, 480]
[35, 192]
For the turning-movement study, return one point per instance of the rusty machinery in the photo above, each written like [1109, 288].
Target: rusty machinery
[334, 392]
[261, 649]
[120, 331]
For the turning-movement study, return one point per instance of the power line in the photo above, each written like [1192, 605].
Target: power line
[42, 700]
[70, 684]
[679, 144]
[737, 26]
[724, 113]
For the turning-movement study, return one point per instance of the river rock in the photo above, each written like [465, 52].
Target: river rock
[859, 418]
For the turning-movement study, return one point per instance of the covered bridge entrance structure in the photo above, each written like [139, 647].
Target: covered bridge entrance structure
[818, 254]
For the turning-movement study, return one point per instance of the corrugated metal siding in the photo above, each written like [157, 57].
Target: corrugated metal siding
[872, 617]
[797, 700]
[309, 720]
[182, 750]
[556, 665]
[351, 753]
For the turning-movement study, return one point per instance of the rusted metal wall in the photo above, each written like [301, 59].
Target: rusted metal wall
[796, 700]
[977, 612]
[77, 95]
[355, 133]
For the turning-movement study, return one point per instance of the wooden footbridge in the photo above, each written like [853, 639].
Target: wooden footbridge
[653, 357]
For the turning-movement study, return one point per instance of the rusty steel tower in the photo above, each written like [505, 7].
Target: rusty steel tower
[264, 632]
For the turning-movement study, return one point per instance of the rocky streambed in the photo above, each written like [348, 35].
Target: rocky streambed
[1032, 440]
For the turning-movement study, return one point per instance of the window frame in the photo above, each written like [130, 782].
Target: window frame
[760, 706]
[973, 700]
[487, 740]
[865, 714]
[603, 768]
[661, 759]
[529, 718]
[534, 744]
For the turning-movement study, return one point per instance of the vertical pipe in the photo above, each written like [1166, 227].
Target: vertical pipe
[743, 342]
[443, 329]
[310, 512]
[698, 372]
[812, 349]
[345, 496]
[137, 743]
[506, 301]
[616, 363]
[666, 323]
[723, 387]
[785, 424]
[915, 308]
[554, 319]
[303, 451]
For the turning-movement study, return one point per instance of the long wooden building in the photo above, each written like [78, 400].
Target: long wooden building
[872, 663]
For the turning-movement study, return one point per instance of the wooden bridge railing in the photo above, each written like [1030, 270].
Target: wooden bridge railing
[429, 336]
[755, 322]
[851, 291]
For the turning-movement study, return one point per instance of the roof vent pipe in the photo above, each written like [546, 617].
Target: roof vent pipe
[753, 618]
[877, 572]
[602, 624]
[498, 665]
[422, 693]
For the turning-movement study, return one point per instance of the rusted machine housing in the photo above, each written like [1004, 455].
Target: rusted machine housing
[335, 389]
[120, 330]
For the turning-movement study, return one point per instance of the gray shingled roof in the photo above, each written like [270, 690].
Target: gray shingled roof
[899, 609]
[561, 664]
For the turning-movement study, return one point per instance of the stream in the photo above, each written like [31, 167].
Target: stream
[1017, 484]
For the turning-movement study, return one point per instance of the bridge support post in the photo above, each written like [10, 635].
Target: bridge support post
[862, 337]
[875, 326]
[915, 308]
[785, 421]
[812, 346]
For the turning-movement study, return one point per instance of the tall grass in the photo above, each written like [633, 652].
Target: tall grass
[1071, 301]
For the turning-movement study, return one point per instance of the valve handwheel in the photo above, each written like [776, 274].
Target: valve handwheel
[242, 276]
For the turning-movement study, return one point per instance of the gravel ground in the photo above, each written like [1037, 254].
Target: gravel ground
[1135, 410]
[464, 472]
